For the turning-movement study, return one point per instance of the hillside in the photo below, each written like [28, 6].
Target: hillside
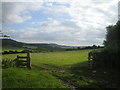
[11, 43]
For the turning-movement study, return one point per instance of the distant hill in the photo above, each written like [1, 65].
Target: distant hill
[11, 42]
[54, 45]
[14, 43]
[38, 47]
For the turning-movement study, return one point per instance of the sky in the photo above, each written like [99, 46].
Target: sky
[65, 22]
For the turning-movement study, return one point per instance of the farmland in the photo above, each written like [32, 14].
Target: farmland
[67, 66]
[59, 59]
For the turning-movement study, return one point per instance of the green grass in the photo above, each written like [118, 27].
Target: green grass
[64, 59]
[51, 61]
[72, 66]
[23, 78]
[8, 48]
[80, 80]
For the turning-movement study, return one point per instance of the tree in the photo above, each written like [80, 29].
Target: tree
[94, 46]
[78, 48]
[112, 36]
[6, 36]
[109, 56]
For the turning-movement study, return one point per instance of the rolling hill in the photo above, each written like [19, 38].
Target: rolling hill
[14, 43]
[10, 43]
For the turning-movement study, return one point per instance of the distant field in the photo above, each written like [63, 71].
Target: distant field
[12, 48]
[64, 59]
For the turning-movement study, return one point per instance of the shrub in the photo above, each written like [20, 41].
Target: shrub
[107, 58]
[10, 51]
[25, 51]
[7, 63]
[5, 52]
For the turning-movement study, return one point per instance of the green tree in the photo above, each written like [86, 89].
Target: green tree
[94, 46]
[109, 56]
[78, 48]
[112, 36]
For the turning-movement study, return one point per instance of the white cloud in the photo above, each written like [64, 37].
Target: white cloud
[85, 25]
[61, 32]
[18, 12]
[55, 10]
[119, 10]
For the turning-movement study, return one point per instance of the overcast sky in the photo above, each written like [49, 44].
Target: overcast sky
[68, 23]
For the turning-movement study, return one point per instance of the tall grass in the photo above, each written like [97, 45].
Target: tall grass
[7, 63]
[23, 78]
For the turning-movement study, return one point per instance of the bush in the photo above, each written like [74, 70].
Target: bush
[108, 58]
[25, 51]
[7, 63]
[15, 52]
[10, 52]
[5, 52]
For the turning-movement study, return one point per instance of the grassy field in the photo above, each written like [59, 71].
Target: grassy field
[70, 67]
[8, 48]
[64, 59]
[23, 78]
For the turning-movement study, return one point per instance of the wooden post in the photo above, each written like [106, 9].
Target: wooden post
[17, 61]
[93, 60]
[28, 61]
[90, 60]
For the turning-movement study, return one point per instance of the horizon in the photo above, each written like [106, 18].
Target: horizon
[67, 23]
[50, 43]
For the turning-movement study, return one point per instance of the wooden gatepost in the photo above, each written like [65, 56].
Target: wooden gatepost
[90, 58]
[23, 61]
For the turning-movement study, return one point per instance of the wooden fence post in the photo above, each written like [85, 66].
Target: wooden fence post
[20, 62]
[17, 61]
[28, 61]
[90, 57]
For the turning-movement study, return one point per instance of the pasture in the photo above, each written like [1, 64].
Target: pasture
[63, 59]
[7, 48]
[23, 78]
[69, 68]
